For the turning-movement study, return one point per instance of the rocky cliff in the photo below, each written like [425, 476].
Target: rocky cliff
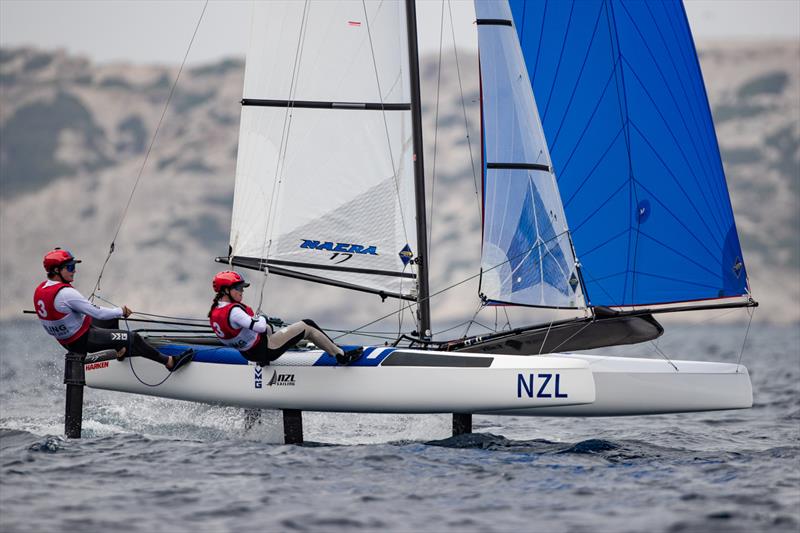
[74, 135]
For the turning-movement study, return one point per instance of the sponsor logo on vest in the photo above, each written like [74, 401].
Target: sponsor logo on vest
[59, 329]
[94, 366]
[281, 380]
[542, 385]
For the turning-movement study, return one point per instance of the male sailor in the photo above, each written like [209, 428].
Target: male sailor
[239, 327]
[67, 316]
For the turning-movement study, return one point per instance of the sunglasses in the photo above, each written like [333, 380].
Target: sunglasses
[238, 287]
[70, 267]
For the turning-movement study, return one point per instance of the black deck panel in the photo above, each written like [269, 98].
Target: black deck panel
[399, 358]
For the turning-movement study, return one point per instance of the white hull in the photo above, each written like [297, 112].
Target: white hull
[292, 382]
[413, 381]
[627, 386]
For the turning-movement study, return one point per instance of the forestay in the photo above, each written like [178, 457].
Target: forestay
[627, 121]
[324, 178]
[527, 257]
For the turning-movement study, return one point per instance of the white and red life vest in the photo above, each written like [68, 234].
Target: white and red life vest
[65, 327]
[240, 338]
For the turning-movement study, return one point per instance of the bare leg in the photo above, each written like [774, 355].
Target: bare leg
[305, 329]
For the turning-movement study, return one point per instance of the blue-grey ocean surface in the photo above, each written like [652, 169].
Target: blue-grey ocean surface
[147, 464]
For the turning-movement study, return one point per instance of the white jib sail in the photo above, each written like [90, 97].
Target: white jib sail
[324, 176]
[527, 257]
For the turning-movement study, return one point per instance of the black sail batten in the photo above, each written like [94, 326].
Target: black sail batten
[531, 306]
[519, 166]
[254, 263]
[335, 268]
[314, 104]
[493, 22]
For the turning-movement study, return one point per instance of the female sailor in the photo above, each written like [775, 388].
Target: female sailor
[239, 327]
[67, 316]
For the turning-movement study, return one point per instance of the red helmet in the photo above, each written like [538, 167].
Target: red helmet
[58, 257]
[227, 279]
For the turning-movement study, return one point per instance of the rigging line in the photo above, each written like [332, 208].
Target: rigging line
[716, 317]
[464, 111]
[589, 323]
[204, 320]
[436, 133]
[159, 316]
[147, 154]
[547, 334]
[611, 298]
[399, 311]
[472, 320]
[452, 286]
[130, 363]
[665, 356]
[266, 246]
[751, 312]
[376, 333]
[508, 320]
[385, 123]
[460, 324]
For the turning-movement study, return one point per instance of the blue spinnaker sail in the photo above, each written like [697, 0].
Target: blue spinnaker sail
[627, 121]
[527, 257]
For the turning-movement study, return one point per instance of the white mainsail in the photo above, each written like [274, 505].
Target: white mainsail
[324, 177]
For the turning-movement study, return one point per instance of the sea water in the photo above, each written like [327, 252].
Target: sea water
[147, 464]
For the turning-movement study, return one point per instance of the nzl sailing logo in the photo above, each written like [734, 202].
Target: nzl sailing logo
[277, 380]
[341, 250]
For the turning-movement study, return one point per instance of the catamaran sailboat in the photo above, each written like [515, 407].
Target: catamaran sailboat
[604, 192]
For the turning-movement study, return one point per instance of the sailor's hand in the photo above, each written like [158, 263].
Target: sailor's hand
[275, 321]
[126, 311]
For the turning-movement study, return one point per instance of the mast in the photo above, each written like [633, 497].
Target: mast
[424, 309]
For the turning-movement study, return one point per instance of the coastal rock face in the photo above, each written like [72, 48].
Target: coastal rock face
[75, 135]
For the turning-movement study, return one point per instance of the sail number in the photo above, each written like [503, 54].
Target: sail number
[539, 386]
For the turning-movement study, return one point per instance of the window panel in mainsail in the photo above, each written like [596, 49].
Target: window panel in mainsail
[527, 258]
[324, 177]
[626, 117]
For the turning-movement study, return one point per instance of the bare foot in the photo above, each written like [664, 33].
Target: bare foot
[170, 363]
[121, 353]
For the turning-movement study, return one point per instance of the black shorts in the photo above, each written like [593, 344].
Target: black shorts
[97, 339]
